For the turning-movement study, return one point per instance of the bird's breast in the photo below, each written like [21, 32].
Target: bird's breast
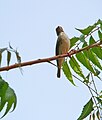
[64, 43]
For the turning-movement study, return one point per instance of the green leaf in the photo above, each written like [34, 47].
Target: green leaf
[7, 95]
[83, 59]
[88, 76]
[92, 57]
[98, 22]
[100, 35]
[18, 57]
[93, 116]
[96, 50]
[82, 38]
[8, 57]
[99, 100]
[3, 49]
[100, 96]
[67, 72]
[101, 26]
[88, 108]
[76, 67]
[101, 92]
[10, 46]
[73, 41]
[98, 115]
[87, 30]
[11, 99]
[97, 71]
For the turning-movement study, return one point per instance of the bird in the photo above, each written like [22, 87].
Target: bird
[62, 47]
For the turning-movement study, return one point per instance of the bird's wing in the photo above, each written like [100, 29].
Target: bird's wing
[58, 44]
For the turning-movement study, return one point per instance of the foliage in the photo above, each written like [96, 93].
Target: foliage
[9, 51]
[86, 110]
[7, 96]
[90, 61]
[67, 72]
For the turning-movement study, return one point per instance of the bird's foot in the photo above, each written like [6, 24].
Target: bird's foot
[71, 52]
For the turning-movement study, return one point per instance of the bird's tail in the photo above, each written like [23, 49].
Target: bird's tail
[59, 73]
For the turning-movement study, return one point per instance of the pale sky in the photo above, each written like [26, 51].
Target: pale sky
[29, 25]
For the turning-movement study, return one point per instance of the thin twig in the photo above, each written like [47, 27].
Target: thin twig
[92, 32]
[94, 84]
[87, 36]
[52, 63]
[93, 96]
[85, 84]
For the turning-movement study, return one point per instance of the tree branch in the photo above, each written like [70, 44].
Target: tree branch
[72, 52]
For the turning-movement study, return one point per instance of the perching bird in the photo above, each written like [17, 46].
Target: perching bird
[62, 47]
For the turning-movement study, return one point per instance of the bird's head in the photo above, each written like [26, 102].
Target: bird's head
[59, 29]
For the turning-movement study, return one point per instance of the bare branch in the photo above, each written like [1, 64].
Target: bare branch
[72, 52]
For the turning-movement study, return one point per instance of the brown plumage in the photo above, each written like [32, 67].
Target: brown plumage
[62, 47]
